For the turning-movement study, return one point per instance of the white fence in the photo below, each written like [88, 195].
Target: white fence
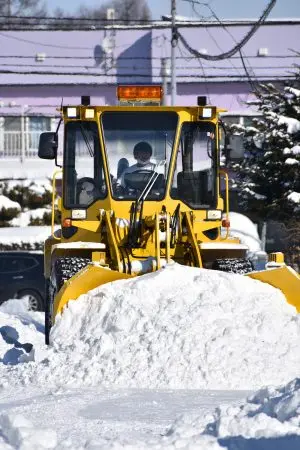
[18, 145]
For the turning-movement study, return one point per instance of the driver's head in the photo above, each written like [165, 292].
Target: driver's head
[142, 152]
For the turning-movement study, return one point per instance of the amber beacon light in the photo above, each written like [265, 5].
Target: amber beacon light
[139, 92]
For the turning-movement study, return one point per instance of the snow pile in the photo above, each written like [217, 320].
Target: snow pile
[177, 328]
[268, 419]
[243, 228]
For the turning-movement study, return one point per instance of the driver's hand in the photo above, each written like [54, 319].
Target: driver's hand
[119, 190]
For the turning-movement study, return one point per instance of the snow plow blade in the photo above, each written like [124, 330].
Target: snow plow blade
[284, 278]
[86, 279]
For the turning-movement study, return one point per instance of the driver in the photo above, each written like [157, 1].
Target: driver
[87, 192]
[142, 152]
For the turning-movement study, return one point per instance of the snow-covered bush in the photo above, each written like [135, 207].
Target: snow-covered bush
[25, 203]
[8, 210]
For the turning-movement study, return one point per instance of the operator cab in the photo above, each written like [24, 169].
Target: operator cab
[101, 157]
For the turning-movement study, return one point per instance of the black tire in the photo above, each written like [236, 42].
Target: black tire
[233, 265]
[65, 268]
[48, 323]
[35, 300]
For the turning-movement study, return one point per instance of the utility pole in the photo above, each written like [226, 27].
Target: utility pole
[174, 41]
[164, 75]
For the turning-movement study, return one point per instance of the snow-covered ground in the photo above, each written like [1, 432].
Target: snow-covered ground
[164, 361]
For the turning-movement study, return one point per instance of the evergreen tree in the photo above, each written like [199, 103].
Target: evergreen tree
[22, 8]
[268, 177]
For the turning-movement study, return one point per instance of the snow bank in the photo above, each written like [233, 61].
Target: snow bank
[270, 419]
[177, 328]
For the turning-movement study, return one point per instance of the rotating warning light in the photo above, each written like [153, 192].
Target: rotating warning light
[139, 93]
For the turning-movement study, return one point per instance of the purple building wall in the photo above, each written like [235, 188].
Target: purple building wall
[75, 64]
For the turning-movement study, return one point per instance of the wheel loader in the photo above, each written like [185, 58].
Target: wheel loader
[123, 215]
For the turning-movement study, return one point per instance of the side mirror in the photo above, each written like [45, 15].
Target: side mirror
[48, 145]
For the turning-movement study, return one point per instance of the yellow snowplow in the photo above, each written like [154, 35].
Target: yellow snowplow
[142, 185]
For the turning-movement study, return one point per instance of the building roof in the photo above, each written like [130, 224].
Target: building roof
[109, 56]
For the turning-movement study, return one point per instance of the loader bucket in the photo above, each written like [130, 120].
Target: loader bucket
[284, 278]
[83, 281]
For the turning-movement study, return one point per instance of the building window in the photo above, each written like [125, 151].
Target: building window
[39, 123]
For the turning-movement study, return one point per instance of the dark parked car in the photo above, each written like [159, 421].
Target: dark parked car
[22, 275]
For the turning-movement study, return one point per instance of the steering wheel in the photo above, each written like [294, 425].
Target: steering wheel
[139, 179]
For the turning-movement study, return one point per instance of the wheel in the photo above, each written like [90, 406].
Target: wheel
[65, 268]
[48, 321]
[62, 270]
[233, 265]
[35, 301]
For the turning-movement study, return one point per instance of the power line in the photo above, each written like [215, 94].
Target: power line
[120, 67]
[148, 58]
[237, 47]
[27, 41]
[141, 75]
[76, 19]
[251, 82]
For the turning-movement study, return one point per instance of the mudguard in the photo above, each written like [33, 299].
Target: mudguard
[284, 278]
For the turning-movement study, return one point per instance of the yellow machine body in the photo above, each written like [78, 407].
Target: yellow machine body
[128, 234]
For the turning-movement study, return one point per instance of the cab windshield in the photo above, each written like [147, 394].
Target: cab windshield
[138, 147]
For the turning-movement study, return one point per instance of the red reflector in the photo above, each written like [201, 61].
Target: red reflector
[67, 223]
[139, 92]
[226, 223]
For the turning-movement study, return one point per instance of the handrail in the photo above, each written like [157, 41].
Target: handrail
[225, 174]
[53, 204]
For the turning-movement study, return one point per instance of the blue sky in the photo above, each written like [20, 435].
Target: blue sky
[223, 8]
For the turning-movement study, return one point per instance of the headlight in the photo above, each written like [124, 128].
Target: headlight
[206, 113]
[78, 214]
[89, 113]
[72, 112]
